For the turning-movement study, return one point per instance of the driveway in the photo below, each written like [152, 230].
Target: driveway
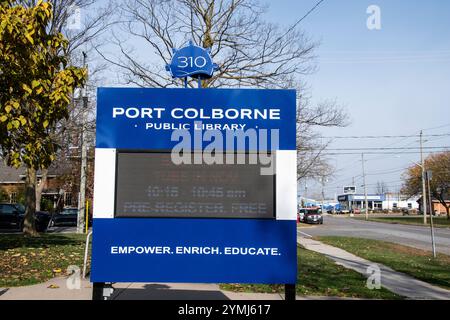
[414, 236]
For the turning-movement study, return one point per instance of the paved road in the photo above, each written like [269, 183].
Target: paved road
[414, 236]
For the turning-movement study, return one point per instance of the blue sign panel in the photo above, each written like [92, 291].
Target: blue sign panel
[191, 61]
[194, 250]
[135, 118]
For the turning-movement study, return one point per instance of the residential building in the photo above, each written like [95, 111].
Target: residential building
[56, 191]
[438, 207]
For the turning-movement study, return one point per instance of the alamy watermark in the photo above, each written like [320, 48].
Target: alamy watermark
[214, 146]
[374, 278]
[73, 282]
[374, 20]
[74, 18]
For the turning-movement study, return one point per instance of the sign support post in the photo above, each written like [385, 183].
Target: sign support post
[97, 290]
[289, 292]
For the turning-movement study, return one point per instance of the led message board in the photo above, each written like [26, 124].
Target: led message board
[151, 185]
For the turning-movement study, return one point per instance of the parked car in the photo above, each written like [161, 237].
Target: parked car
[313, 216]
[356, 211]
[301, 214]
[67, 217]
[12, 216]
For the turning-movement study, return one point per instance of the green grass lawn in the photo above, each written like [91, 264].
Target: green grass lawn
[320, 276]
[415, 262]
[31, 260]
[441, 222]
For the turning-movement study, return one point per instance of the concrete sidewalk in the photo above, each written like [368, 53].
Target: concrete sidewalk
[394, 281]
[56, 289]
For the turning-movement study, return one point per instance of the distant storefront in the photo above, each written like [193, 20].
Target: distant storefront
[357, 201]
[386, 201]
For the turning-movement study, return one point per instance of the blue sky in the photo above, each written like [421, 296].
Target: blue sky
[393, 81]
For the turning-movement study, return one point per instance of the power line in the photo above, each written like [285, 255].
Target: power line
[391, 144]
[438, 127]
[436, 139]
[395, 143]
[374, 152]
[340, 181]
[375, 148]
[387, 136]
[302, 18]
[371, 185]
[384, 148]
[403, 138]
[385, 172]
[374, 184]
[384, 153]
[417, 58]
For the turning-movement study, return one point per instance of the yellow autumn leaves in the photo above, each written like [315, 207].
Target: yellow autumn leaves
[37, 84]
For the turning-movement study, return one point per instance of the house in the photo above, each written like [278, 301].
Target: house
[438, 207]
[56, 191]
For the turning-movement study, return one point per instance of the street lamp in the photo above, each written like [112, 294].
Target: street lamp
[424, 194]
[324, 180]
[426, 177]
[428, 174]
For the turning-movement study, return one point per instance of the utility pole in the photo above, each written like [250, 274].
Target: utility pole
[82, 198]
[433, 245]
[424, 193]
[350, 201]
[366, 204]
[323, 192]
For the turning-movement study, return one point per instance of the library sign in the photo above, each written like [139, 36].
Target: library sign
[195, 185]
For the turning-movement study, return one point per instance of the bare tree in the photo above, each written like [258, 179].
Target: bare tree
[249, 51]
[311, 161]
[95, 20]
[381, 187]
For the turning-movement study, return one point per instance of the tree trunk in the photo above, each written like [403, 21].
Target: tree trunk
[40, 188]
[448, 212]
[29, 227]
